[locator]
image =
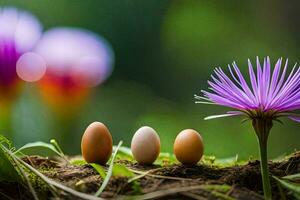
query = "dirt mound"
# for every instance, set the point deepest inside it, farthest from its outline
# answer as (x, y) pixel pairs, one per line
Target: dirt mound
(169, 182)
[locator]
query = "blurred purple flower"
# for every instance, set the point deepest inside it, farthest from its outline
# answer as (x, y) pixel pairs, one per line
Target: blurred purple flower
(19, 31)
(271, 95)
(78, 53)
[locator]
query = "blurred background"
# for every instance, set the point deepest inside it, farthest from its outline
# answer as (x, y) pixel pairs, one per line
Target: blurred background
(154, 56)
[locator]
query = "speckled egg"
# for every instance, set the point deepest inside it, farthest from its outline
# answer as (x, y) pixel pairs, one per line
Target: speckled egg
(145, 145)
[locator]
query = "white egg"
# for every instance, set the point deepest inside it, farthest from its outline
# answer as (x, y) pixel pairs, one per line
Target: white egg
(145, 145)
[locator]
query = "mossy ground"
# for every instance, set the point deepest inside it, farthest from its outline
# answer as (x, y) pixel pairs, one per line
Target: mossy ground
(167, 180)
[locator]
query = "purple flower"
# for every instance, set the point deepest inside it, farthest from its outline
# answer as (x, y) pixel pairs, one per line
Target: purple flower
(19, 31)
(269, 94)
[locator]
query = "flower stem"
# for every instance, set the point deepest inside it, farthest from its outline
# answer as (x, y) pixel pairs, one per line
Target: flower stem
(262, 128)
(265, 169)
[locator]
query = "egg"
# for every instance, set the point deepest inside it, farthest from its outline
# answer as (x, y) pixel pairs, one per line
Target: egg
(96, 143)
(145, 145)
(188, 147)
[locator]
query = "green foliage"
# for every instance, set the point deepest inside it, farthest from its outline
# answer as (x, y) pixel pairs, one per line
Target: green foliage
(208, 160)
(52, 146)
(121, 170)
(53, 185)
(227, 162)
(219, 188)
(37, 145)
(291, 186)
(78, 162)
(99, 169)
(7, 157)
(224, 162)
(165, 159)
(124, 153)
(11, 169)
(5, 141)
(7, 169)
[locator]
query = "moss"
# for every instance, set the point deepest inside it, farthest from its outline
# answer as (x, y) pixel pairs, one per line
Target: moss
(220, 188)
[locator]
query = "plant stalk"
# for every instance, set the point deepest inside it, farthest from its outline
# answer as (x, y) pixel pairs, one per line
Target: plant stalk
(262, 128)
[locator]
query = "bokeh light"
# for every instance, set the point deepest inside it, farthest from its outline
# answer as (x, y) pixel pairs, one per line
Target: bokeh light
(20, 27)
(76, 60)
(85, 56)
(19, 32)
(31, 67)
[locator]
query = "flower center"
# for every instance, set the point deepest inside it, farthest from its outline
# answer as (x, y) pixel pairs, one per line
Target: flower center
(259, 114)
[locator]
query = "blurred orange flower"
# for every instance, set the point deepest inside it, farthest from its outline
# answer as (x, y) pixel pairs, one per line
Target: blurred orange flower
(77, 60)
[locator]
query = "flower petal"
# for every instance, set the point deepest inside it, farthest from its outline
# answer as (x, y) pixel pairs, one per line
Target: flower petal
(229, 114)
(294, 118)
(269, 90)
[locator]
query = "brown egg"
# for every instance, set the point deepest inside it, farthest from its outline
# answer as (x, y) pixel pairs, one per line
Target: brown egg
(145, 145)
(96, 143)
(188, 147)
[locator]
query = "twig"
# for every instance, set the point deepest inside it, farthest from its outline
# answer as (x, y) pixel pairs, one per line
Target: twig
(230, 191)
(141, 174)
(162, 193)
(4, 195)
(288, 167)
(28, 158)
(192, 195)
(159, 176)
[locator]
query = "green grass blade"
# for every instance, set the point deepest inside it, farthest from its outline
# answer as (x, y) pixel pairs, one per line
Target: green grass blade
(99, 169)
(292, 177)
(54, 184)
(125, 150)
(293, 187)
(56, 146)
(109, 172)
(38, 144)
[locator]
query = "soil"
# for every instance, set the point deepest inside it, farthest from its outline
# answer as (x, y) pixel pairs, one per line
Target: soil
(170, 182)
